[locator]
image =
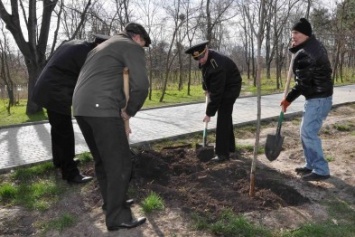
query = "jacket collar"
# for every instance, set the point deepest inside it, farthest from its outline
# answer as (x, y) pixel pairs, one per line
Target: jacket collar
(301, 46)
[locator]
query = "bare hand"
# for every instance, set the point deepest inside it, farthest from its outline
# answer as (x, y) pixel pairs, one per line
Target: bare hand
(127, 128)
(207, 119)
(284, 104)
(124, 115)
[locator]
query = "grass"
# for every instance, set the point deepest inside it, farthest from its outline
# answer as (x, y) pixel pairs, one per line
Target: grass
(37, 189)
(340, 223)
(343, 127)
(38, 195)
(64, 221)
(26, 174)
(230, 224)
(84, 157)
(34, 187)
(330, 158)
(250, 148)
(152, 203)
(18, 114)
(172, 96)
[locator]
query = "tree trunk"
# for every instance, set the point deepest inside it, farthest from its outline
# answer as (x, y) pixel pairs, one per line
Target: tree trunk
(33, 73)
(33, 50)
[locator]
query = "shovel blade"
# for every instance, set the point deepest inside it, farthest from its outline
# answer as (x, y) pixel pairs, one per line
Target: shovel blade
(204, 153)
(273, 146)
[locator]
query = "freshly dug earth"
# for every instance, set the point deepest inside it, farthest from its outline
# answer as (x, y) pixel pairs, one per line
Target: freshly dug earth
(188, 186)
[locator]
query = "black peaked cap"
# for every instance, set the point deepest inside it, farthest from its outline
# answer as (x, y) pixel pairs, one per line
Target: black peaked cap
(197, 49)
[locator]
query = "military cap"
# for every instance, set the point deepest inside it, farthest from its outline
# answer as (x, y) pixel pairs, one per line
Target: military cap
(197, 51)
(99, 38)
(136, 28)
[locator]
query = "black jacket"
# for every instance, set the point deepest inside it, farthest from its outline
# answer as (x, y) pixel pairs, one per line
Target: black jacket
(312, 71)
(221, 78)
(55, 85)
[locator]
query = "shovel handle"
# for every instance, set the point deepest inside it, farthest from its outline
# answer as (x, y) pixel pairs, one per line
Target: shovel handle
(289, 75)
(205, 135)
(287, 87)
(206, 125)
(126, 92)
(279, 123)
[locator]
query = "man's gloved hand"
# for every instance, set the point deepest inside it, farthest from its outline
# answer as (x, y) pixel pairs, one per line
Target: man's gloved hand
(284, 103)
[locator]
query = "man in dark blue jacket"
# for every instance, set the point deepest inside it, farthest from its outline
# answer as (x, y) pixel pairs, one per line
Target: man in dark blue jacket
(313, 80)
(54, 90)
(222, 83)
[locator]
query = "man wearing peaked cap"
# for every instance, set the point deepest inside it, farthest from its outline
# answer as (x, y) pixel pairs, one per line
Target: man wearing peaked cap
(312, 70)
(222, 84)
(53, 90)
(101, 109)
(198, 49)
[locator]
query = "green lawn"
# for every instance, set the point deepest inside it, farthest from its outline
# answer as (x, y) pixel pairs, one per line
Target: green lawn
(172, 96)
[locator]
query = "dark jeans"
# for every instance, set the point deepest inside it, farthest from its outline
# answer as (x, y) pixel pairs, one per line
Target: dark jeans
(225, 140)
(63, 143)
(109, 146)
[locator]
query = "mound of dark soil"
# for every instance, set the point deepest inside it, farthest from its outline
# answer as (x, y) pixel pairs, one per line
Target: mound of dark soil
(184, 182)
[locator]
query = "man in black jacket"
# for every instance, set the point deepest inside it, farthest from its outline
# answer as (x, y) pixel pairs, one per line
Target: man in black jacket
(54, 90)
(222, 84)
(313, 80)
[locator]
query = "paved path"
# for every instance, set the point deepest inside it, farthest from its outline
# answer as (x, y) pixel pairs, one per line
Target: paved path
(28, 144)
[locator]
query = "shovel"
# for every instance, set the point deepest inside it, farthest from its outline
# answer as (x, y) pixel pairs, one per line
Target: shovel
(273, 145)
(126, 92)
(204, 152)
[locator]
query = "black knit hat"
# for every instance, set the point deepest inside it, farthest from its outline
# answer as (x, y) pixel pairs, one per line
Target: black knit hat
(303, 26)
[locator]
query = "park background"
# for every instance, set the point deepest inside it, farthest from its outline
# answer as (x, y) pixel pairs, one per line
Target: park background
(255, 34)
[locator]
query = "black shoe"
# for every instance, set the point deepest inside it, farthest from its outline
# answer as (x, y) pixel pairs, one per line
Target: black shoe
(79, 179)
(129, 202)
(219, 158)
(128, 225)
(315, 177)
(303, 170)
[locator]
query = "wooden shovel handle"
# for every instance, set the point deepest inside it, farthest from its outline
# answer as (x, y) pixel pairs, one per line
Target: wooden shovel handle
(126, 92)
(289, 75)
(206, 124)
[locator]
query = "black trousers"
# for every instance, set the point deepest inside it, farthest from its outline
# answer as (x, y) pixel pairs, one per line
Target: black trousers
(109, 146)
(225, 140)
(63, 143)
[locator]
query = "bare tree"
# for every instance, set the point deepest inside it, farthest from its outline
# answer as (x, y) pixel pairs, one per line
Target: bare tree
(122, 9)
(150, 12)
(178, 21)
(216, 12)
(34, 48)
(191, 27)
(75, 18)
(281, 11)
(260, 10)
(5, 75)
